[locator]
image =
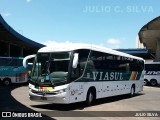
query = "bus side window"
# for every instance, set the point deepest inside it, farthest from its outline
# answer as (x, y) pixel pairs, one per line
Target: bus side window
(136, 66)
(95, 61)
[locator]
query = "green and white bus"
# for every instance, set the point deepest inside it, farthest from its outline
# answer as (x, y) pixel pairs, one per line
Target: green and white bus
(12, 70)
(79, 72)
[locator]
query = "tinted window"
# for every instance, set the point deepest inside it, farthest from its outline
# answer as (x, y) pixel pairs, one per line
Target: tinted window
(152, 67)
(107, 61)
(10, 62)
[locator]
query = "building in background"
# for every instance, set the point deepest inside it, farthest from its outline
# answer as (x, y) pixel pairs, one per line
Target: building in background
(149, 36)
(138, 43)
(13, 44)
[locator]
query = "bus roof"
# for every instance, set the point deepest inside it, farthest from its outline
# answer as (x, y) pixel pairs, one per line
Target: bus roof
(75, 46)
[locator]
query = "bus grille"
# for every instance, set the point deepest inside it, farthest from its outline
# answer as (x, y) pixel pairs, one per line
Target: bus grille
(42, 93)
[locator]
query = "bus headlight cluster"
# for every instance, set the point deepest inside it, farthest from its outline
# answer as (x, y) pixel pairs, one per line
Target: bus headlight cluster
(61, 91)
(30, 86)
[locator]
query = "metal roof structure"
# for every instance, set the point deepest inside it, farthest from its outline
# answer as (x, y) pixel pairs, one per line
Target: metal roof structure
(10, 36)
(149, 35)
(140, 52)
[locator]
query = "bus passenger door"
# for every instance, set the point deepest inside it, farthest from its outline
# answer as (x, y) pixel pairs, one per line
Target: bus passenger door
(81, 91)
(76, 92)
(76, 88)
(17, 78)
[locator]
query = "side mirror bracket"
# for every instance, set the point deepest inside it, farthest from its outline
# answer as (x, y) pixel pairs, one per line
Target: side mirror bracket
(26, 58)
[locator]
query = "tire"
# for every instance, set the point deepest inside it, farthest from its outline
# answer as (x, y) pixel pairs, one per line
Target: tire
(145, 82)
(153, 82)
(90, 97)
(132, 92)
(6, 82)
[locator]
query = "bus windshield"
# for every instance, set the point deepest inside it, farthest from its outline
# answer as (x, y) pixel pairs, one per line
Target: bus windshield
(51, 67)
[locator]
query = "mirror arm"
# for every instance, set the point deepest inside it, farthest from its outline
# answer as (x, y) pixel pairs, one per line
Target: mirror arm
(26, 58)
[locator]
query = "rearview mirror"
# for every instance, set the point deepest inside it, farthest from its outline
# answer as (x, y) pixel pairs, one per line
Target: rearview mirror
(75, 60)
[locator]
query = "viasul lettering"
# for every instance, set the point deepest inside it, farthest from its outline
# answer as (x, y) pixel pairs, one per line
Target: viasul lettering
(107, 76)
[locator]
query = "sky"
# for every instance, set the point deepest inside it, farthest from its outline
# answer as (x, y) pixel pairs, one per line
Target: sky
(109, 23)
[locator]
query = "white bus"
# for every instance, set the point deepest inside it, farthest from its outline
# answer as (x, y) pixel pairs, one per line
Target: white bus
(76, 72)
(12, 70)
(152, 73)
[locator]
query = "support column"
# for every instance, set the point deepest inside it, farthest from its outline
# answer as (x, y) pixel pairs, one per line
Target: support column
(21, 54)
(157, 57)
(9, 50)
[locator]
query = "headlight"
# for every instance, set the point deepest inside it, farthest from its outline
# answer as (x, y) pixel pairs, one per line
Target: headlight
(30, 86)
(61, 91)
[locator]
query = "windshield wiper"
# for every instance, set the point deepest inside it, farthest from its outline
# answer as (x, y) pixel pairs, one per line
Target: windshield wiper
(52, 83)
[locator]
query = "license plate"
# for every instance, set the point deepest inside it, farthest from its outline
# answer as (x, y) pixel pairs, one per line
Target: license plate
(43, 98)
(45, 88)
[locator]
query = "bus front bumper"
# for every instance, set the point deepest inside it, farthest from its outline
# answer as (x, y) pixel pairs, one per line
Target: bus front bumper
(59, 98)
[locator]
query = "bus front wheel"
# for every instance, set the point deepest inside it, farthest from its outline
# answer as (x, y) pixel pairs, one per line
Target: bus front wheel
(6, 82)
(90, 97)
(132, 93)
